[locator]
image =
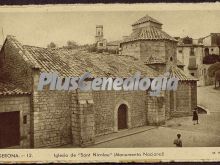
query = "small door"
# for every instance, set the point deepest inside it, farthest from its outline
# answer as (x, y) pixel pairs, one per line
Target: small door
(9, 129)
(122, 117)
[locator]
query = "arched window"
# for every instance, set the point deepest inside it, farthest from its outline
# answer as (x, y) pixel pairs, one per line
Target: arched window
(171, 58)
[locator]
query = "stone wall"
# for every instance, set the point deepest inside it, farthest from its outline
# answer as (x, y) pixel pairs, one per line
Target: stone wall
(106, 105)
(152, 48)
(170, 51)
(21, 104)
(167, 105)
(51, 117)
(83, 119)
(13, 67)
(182, 100)
(131, 49)
(156, 113)
(193, 95)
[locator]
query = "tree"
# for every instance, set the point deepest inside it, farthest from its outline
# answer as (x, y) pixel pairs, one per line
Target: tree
(187, 40)
(211, 59)
(214, 71)
(52, 45)
(72, 45)
(218, 42)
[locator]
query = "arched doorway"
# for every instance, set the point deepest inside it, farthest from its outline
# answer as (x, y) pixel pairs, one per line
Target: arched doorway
(122, 117)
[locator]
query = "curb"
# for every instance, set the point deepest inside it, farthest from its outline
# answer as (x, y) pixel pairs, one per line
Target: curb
(133, 133)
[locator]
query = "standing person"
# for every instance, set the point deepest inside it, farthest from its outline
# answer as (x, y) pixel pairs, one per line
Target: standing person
(178, 141)
(195, 116)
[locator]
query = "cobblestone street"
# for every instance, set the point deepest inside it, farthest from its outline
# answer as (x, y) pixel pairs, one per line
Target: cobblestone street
(204, 134)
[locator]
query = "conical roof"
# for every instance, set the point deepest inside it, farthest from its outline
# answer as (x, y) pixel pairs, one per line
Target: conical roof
(146, 18)
(148, 33)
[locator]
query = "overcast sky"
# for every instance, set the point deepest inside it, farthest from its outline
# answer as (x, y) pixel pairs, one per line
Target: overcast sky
(39, 29)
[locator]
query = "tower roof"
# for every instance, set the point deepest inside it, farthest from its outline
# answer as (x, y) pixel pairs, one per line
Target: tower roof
(146, 18)
(149, 33)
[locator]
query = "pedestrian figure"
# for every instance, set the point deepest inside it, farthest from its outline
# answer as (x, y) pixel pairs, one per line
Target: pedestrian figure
(195, 116)
(178, 141)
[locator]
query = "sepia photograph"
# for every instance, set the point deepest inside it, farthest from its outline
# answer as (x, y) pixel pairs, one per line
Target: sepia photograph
(109, 78)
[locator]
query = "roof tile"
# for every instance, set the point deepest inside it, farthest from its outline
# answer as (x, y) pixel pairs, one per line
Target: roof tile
(11, 89)
(148, 33)
(181, 75)
(75, 63)
(144, 19)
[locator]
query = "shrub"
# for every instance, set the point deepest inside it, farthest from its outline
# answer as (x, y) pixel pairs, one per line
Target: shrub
(211, 59)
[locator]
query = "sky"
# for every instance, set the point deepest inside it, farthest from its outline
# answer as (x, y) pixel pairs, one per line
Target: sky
(41, 28)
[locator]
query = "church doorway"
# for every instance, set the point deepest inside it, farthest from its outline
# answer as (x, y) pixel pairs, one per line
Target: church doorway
(122, 117)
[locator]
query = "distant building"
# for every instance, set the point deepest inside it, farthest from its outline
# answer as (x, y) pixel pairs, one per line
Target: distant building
(211, 43)
(191, 53)
(211, 48)
(101, 43)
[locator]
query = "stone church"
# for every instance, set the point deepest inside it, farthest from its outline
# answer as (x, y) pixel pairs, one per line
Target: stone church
(40, 119)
